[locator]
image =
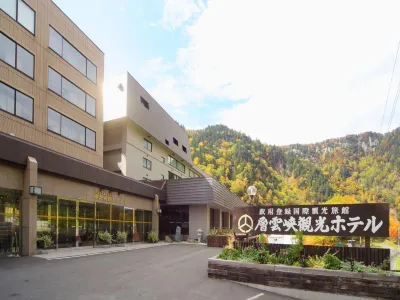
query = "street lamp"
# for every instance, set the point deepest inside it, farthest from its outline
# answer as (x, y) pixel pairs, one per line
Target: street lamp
(252, 191)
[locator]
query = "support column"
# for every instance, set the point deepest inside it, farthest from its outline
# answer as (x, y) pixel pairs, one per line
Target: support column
(220, 219)
(229, 220)
(29, 209)
(155, 216)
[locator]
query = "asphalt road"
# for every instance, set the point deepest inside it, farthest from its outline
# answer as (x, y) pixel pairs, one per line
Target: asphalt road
(170, 272)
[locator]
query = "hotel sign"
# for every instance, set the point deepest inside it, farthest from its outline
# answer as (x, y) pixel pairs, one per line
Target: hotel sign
(329, 220)
(107, 197)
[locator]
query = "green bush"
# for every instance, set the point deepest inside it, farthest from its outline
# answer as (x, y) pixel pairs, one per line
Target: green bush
(250, 254)
(316, 262)
(122, 237)
(105, 236)
(152, 236)
(262, 238)
(331, 262)
(230, 254)
(45, 239)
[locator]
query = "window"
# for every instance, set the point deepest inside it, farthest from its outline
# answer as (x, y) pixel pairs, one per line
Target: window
(176, 164)
(162, 176)
(167, 142)
(175, 141)
(16, 56)
(144, 102)
(91, 71)
(70, 129)
(63, 48)
(70, 92)
(146, 163)
(21, 12)
(16, 103)
(173, 176)
(192, 174)
(184, 149)
(26, 16)
(148, 145)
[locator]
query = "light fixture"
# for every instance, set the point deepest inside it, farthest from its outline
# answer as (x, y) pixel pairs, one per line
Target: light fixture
(35, 190)
(252, 191)
(159, 210)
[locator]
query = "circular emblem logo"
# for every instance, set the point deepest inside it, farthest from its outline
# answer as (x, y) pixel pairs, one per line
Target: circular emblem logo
(245, 224)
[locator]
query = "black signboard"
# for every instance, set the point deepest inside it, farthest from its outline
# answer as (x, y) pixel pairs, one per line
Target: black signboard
(370, 219)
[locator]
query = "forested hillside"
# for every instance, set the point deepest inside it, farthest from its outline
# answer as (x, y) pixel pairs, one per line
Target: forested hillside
(364, 166)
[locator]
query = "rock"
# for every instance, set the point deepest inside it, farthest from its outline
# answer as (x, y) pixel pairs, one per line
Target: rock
(168, 239)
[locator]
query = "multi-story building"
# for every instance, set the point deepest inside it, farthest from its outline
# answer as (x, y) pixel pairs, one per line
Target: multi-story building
(51, 137)
(142, 141)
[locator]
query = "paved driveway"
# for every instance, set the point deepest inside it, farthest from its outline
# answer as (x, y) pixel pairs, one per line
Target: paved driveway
(171, 272)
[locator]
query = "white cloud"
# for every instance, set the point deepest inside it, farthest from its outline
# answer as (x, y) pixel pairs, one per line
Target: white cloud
(309, 69)
(177, 12)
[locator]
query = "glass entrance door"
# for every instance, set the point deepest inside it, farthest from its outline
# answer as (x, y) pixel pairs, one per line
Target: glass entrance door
(143, 225)
(86, 224)
(9, 222)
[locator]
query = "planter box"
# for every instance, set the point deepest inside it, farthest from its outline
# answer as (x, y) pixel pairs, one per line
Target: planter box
(218, 240)
(317, 280)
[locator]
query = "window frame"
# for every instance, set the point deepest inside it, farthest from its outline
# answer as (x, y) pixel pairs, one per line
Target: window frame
(62, 54)
(15, 104)
(146, 143)
(147, 163)
(170, 159)
(192, 174)
(72, 120)
(86, 94)
(175, 141)
(17, 17)
(16, 57)
(184, 149)
(166, 142)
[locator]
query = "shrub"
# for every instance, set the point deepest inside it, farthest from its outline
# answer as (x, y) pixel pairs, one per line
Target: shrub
(229, 254)
(105, 236)
(331, 262)
(122, 237)
(152, 236)
(45, 239)
(213, 232)
(316, 262)
(250, 254)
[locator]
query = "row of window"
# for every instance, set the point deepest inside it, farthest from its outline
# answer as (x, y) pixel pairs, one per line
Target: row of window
(16, 103)
(176, 164)
(20, 12)
(70, 92)
(16, 56)
(63, 48)
(147, 165)
(21, 105)
(70, 129)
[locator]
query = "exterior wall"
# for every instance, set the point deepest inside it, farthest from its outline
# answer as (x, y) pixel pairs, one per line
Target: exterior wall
(155, 120)
(135, 152)
(198, 218)
(61, 187)
(11, 177)
(47, 13)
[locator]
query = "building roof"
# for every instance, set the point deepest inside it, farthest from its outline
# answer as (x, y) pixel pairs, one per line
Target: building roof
(15, 150)
(200, 191)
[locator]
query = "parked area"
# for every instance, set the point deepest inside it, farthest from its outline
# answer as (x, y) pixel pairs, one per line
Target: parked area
(172, 272)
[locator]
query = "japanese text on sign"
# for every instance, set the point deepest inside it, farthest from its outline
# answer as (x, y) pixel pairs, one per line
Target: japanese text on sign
(340, 220)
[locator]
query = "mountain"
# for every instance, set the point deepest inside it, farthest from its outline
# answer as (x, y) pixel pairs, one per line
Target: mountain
(364, 166)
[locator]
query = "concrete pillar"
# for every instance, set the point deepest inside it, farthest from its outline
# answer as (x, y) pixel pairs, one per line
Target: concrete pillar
(29, 209)
(155, 216)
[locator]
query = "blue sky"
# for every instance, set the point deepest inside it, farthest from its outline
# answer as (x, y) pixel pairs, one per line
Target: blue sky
(281, 71)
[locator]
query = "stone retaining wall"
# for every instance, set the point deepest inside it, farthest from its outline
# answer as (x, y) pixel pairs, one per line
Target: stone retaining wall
(319, 280)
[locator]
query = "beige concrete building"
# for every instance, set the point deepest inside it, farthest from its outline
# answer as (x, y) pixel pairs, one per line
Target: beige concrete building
(142, 141)
(51, 130)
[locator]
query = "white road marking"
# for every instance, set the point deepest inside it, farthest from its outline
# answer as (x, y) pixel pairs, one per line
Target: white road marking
(256, 296)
